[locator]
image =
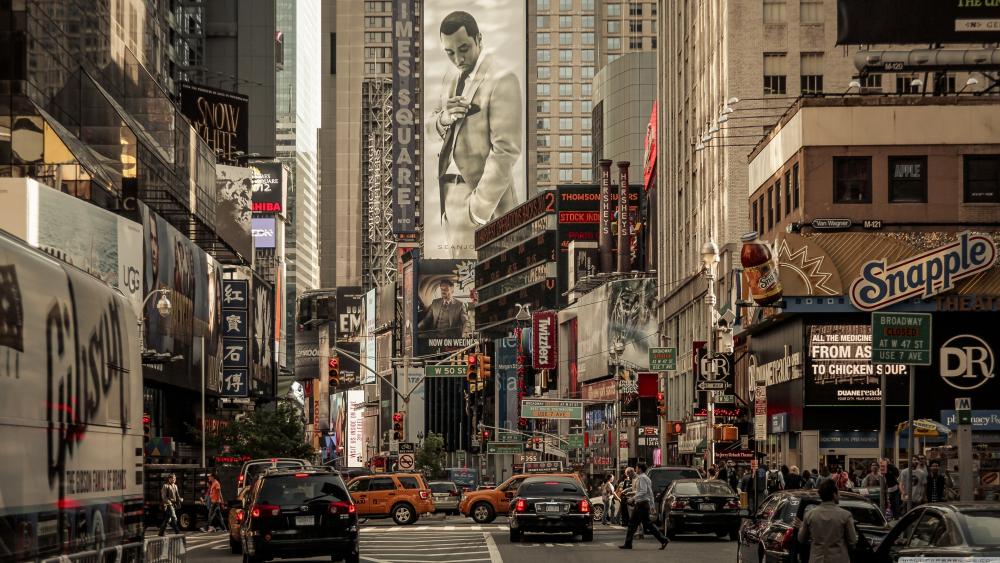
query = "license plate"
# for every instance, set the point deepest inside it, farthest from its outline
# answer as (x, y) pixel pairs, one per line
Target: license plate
(706, 507)
(552, 508)
(305, 520)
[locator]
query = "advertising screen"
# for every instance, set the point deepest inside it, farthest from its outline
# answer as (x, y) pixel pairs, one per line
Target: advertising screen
(220, 117)
(232, 207)
(862, 22)
(263, 232)
(445, 305)
(355, 428)
(268, 181)
(840, 371)
(474, 55)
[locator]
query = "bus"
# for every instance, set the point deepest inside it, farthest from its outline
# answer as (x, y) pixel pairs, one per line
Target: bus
(71, 435)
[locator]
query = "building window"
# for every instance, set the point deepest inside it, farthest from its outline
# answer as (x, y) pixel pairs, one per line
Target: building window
(753, 216)
(565, 158)
(565, 38)
(542, 174)
(777, 200)
(565, 55)
(565, 123)
(588, 5)
(544, 72)
(542, 38)
(565, 90)
(543, 56)
(634, 9)
(542, 124)
(566, 72)
(907, 179)
(635, 42)
(586, 106)
(585, 141)
(542, 5)
(982, 178)
(774, 11)
(587, 72)
(566, 175)
(760, 208)
(587, 55)
(811, 69)
(542, 89)
(770, 208)
(653, 8)
(541, 21)
(615, 10)
(614, 26)
(872, 83)
(774, 74)
(811, 11)
(587, 22)
(587, 175)
(542, 106)
(852, 179)
(795, 185)
(905, 85)
(614, 43)
(565, 5)
(543, 157)
(565, 141)
(588, 38)
(635, 26)
(565, 22)
(542, 141)
(565, 106)
(788, 193)
(585, 123)
(652, 43)
(586, 89)
(585, 158)
(947, 83)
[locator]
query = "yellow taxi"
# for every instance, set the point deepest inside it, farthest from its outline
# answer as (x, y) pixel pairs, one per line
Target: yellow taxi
(402, 496)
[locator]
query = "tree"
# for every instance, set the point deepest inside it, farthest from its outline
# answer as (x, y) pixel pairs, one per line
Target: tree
(431, 455)
(265, 433)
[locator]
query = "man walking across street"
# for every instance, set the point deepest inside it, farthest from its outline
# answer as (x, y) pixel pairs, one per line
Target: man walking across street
(829, 528)
(170, 499)
(215, 504)
(643, 499)
(935, 484)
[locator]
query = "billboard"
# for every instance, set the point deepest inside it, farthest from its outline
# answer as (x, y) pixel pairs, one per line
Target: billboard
(232, 208)
(306, 353)
(220, 117)
(263, 231)
(263, 355)
(544, 334)
(355, 428)
(349, 332)
(445, 302)
(368, 343)
(405, 146)
(474, 54)
(863, 22)
(235, 338)
(839, 370)
(268, 181)
(628, 309)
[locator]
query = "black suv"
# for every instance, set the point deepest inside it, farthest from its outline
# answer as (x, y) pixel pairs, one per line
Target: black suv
(300, 513)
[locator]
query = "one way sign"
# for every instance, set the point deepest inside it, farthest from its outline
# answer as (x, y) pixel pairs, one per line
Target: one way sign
(712, 385)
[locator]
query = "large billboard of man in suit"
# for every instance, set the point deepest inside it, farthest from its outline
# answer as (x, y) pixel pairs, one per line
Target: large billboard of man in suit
(474, 79)
(445, 303)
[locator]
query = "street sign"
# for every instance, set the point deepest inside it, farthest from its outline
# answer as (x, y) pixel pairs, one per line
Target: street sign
(663, 359)
(963, 410)
(460, 454)
(715, 367)
(500, 448)
(405, 462)
(712, 385)
(724, 398)
(561, 410)
(445, 370)
(407, 447)
(901, 338)
(509, 437)
(574, 441)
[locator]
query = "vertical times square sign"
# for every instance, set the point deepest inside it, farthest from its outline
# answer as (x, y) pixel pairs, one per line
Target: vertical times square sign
(404, 146)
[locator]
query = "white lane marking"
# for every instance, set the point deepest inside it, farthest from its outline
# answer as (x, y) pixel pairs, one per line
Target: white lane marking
(491, 546)
(206, 544)
(449, 528)
(443, 561)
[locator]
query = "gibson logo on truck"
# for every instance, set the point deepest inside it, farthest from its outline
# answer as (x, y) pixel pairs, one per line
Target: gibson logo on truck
(925, 275)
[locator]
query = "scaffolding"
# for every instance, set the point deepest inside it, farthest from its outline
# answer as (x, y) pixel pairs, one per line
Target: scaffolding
(380, 244)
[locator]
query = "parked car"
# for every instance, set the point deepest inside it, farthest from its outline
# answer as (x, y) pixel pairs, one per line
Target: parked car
(662, 477)
(300, 513)
(550, 505)
(953, 530)
(771, 533)
(255, 467)
(234, 520)
(704, 506)
(401, 496)
(446, 496)
(484, 505)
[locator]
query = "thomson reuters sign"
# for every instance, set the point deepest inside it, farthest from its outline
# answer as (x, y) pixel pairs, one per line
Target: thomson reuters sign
(543, 340)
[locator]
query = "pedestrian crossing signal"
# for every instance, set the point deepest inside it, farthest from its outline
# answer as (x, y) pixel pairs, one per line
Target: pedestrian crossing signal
(397, 426)
(677, 427)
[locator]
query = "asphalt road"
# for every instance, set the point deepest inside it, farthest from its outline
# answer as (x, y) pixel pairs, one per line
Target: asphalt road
(459, 540)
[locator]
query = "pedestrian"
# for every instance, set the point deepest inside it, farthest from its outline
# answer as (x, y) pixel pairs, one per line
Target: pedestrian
(893, 494)
(731, 477)
(170, 499)
(823, 475)
(794, 480)
(607, 495)
(936, 489)
(918, 485)
(711, 473)
(873, 478)
(829, 528)
(642, 501)
(774, 480)
(625, 493)
(215, 502)
(843, 480)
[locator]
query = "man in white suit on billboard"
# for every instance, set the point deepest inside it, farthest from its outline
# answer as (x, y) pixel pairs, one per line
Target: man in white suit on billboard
(478, 119)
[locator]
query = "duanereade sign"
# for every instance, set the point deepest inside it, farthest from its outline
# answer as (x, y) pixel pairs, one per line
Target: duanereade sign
(926, 275)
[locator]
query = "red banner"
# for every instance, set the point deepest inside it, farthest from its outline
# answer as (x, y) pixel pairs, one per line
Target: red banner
(544, 338)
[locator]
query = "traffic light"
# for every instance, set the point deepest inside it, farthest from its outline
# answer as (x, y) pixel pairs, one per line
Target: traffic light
(661, 403)
(397, 426)
(677, 427)
(485, 367)
(484, 437)
(333, 371)
(147, 422)
(471, 367)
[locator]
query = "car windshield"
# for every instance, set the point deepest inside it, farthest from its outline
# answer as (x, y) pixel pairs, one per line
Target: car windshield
(443, 487)
(862, 512)
(285, 490)
(256, 470)
(707, 488)
(543, 488)
(982, 527)
(662, 478)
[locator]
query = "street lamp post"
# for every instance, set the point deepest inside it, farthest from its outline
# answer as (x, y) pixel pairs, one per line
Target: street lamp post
(616, 352)
(710, 259)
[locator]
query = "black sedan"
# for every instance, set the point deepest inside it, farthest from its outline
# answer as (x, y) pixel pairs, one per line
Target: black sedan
(952, 530)
(550, 505)
(771, 534)
(704, 506)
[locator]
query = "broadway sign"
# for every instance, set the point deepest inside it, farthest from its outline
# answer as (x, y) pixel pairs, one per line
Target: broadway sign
(544, 338)
(563, 410)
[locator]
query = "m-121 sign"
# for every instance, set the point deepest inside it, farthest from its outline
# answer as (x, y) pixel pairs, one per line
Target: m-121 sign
(543, 333)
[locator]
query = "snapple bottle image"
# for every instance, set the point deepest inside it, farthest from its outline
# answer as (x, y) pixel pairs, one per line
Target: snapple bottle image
(760, 269)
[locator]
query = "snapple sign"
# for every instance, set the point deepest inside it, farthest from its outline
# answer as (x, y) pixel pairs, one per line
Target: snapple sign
(928, 274)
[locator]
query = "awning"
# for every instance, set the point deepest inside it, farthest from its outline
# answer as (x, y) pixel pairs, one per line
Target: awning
(691, 446)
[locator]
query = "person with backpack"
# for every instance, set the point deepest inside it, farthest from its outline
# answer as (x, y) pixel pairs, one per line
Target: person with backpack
(774, 480)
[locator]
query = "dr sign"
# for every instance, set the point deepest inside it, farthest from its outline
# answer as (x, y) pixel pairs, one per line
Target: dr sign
(926, 275)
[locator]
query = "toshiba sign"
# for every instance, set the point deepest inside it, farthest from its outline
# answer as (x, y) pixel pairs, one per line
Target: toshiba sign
(544, 337)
